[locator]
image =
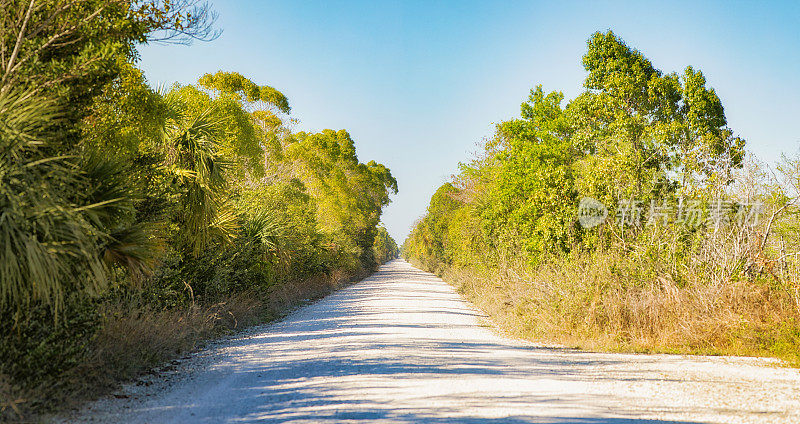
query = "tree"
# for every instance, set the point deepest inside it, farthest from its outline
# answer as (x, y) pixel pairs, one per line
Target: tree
(626, 98)
(708, 152)
(534, 194)
(71, 49)
(246, 92)
(385, 247)
(350, 195)
(267, 109)
(640, 127)
(69, 209)
(635, 134)
(198, 167)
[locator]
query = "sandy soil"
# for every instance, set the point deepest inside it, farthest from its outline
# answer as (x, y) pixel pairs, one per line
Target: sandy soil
(403, 347)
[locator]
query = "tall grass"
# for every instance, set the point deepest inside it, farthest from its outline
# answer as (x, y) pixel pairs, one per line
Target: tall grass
(723, 296)
(601, 301)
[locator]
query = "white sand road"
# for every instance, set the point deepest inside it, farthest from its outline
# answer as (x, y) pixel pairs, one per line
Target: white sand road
(403, 347)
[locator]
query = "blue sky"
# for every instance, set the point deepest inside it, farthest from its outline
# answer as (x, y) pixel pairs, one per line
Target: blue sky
(419, 84)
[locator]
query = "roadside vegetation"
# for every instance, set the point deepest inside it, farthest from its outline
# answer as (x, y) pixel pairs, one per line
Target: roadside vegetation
(629, 218)
(137, 222)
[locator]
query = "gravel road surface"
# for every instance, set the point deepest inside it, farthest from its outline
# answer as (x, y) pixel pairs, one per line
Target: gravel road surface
(403, 347)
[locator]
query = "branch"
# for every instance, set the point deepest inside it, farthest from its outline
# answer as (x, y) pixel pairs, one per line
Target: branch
(53, 39)
(199, 18)
(20, 37)
(769, 227)
(3, 6)
(45, 22)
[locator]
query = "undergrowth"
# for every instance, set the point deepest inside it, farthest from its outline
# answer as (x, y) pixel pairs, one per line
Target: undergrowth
(600, 302)
(111, 341)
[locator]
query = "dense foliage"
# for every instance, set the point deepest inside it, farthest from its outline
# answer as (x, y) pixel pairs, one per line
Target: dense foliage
(652, 151)
(112, 192)
(385, 247)
(635, 133)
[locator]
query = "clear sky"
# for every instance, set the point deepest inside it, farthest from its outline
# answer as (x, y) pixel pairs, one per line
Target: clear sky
(418, 84)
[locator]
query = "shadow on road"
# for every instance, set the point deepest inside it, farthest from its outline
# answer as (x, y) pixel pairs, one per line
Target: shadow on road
(402, 347)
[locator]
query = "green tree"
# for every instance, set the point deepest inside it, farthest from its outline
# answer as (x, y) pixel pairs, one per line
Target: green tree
(385, 247)
(350, 195)
(707, 150)
(70, 50)
(533, 207)
(635, 133)
(72, 219)
(198, 167)
(627, 97)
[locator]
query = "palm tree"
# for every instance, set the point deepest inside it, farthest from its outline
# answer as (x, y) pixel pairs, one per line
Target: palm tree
(193, 144)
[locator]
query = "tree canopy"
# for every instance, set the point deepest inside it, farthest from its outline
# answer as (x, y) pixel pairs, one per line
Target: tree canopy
(634, 134)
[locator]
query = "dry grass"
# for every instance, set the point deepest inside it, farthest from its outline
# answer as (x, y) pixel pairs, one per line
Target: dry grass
(134, 340)
(730, 290)
(612, 302)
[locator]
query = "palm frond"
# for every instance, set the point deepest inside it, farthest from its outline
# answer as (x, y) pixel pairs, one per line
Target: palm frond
(195, 161)
(263, 227)
(134, 247)
(48, 246)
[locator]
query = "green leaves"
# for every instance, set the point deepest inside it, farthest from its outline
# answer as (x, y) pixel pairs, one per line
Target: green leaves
(619, 70)
(49, 229)
(199, 169)
(349, 195)
(68, 211)
(535, 186)
(384, 246)
(651, 126)
(245, 91)
(635, 133)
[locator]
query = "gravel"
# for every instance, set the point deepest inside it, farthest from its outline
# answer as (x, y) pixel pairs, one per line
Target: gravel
(403, 347)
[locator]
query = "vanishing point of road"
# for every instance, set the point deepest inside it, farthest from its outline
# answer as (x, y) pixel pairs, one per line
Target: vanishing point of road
(403, 347)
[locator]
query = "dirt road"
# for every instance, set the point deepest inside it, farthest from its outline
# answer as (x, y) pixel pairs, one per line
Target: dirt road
(403, 347)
